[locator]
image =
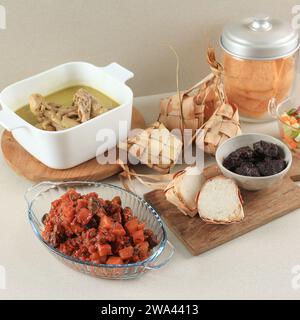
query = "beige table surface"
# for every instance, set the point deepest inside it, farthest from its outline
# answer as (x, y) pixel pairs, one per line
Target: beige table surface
(256, 265)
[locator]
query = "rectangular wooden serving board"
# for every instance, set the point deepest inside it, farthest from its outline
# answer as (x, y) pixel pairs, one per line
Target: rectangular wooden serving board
(260, 208)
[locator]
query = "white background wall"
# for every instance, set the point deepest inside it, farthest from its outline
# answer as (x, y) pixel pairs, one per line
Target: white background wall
(136, 33)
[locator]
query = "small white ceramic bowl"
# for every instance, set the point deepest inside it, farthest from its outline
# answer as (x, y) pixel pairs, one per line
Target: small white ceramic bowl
(245, 182)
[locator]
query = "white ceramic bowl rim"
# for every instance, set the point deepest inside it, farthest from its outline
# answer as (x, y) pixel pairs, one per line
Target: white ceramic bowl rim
(281, 144)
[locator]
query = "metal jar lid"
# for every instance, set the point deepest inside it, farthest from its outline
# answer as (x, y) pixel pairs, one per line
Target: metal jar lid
(259, 38)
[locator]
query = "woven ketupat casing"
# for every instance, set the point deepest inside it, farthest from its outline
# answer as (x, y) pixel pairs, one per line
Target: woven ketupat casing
(222, 125)
(155, 147)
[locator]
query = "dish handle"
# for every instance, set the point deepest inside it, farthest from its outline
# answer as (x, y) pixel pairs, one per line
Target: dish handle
(168, 251)
(9, 122)
(118, 72)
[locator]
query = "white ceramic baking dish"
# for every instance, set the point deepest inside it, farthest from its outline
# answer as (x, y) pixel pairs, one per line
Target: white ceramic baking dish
(71, 147)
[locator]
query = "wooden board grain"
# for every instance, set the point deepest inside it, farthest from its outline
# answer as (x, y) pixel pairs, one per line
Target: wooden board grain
(32, 169)
(260, 208)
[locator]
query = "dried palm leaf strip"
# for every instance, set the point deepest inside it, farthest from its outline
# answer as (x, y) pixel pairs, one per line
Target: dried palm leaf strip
(191, 108)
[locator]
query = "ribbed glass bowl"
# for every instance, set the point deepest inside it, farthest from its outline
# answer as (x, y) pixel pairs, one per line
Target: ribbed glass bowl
(39, 199)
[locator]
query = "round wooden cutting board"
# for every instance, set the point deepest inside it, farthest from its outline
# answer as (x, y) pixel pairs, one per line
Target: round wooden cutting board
(32, 169)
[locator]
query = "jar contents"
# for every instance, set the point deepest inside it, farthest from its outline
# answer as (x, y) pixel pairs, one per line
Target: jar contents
(250, 84)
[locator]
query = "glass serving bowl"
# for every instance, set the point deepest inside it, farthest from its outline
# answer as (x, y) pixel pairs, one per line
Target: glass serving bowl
(40, 196)
(288, 133)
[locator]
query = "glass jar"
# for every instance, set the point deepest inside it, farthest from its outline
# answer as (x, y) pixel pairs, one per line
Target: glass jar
(260, 59)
